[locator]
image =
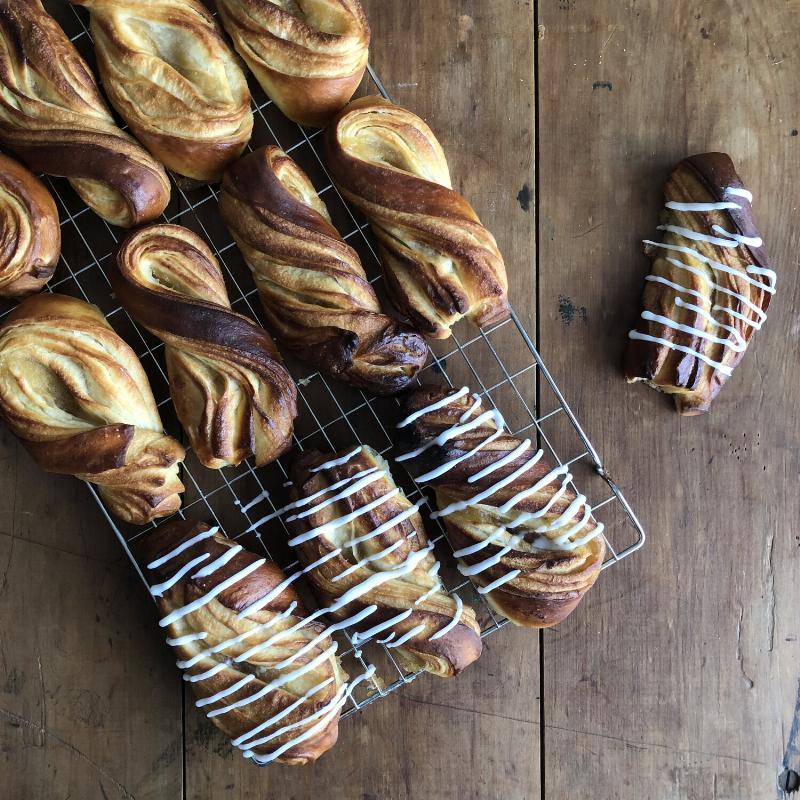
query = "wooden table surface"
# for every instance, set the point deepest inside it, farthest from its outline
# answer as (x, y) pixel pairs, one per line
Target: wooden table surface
(677, 677)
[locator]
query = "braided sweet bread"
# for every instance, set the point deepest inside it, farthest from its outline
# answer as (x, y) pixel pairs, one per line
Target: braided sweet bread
(53, 116)
(709, 288)
(308, 55)
(170, 74)
(78, 399)
(315, 295)
(30, 234)
(520, 532)
(439, 262)
(262, 668)
(232, 394)
(369, 562)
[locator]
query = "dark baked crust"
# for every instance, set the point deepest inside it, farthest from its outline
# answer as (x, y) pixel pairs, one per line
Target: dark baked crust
(313, 289)
(693, 382)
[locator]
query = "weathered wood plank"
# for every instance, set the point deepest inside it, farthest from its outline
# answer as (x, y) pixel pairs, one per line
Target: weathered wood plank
(681, 672)
(467, 68)
(89, 699)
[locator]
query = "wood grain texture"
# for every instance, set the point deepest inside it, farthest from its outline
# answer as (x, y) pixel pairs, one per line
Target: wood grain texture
(682, 670)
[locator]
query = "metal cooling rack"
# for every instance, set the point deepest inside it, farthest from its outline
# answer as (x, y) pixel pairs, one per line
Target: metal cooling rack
(332, 416)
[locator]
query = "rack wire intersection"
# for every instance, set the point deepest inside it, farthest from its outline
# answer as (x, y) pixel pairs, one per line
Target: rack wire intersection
(332, 416)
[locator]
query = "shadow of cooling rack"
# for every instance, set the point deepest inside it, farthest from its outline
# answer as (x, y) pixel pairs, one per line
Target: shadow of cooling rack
(499, 363)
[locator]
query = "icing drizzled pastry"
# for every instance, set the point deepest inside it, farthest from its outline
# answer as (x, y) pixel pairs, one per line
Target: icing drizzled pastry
(232, 394)
(315, 295)
(170, 74)
(308, 55)
(53, 116)
(519, 531)
(30, 235)
(263, 670)
(369, 562)
(78, 399)
(440, 263)
(709, 288)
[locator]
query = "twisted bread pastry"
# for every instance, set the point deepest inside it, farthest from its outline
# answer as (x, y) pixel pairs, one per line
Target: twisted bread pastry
(370, 565)
(78, 399)
(264, 671)
(30, 234)
(311, 283)
(53, 117)
(232, 395)
(440, 263)
(172, 77)
(518, 529)
(308, 55)
(709, 288)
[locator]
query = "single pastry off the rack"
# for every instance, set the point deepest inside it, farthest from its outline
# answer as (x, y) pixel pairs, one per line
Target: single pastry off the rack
(519, 531)
(30, 234)
(77, 397)
(308, 55)
(709, 288)
(315, 295)
(53, 116)
(365, 551)
(264, 670)
(232, 394)
(440, 263)
(170, 74)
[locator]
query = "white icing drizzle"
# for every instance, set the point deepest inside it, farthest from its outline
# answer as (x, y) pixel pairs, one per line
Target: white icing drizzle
(455, 431)
(415, 631)
(446, 401)
(183, 546)
(158, 589)
(724, 238)
(453, 622)
(218, 563)
(351, 490)
(337, 462)
(234, 687)
(566, 540)
(186, 639)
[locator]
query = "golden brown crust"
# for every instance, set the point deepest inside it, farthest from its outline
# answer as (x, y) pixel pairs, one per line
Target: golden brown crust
(440, 263)
(53, 116)
(78, 399)
(550, 582)
(232, 394)
(417, 591)
(315, 295)
(30, 234)
(721, 280)
(308, 55)
(170, 74)
(257, 651)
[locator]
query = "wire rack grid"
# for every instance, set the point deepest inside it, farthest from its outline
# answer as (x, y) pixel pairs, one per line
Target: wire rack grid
(244, 501)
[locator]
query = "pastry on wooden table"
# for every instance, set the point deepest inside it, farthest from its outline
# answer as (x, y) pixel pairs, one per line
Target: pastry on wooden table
(519, 530)
(264, 671)
(30, 233)
(54, 118)
(315, 295)
(709, 288)
(439, 262)
(232, 394)
(308, 55)
(78, 399)
(173, 78)
(368, 559)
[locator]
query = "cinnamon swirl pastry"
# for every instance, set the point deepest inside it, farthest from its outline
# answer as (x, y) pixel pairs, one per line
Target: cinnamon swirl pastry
(30, 234)
(315, 294)
(368, 559)
(53, 116)
(439, 262)
(78, 399)
(519, 531)
(170, 74)
(264, 670)
(308, 55)
(232, 394)
(709, 288)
